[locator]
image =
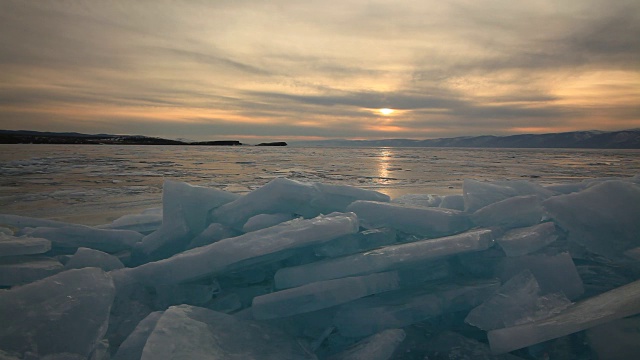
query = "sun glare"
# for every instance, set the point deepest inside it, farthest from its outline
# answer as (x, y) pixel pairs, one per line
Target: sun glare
(386, 111)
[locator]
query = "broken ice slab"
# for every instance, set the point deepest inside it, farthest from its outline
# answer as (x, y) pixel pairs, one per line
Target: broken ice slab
(25, 269)
(321, 295)
(616, 340)
(431, 222)
(615, 304)
(384, 258)
(142, 223)
(633, 253)
(187, 332)
(110, 241)
(262, 246)
(226, 303)
(454, 202)
(523, 187)
(21, 222)
(479, 194)
(171, 238)
(64, 313)
(333, 197)
(191, 294)
(131, 348)
(355, 243)
(517, 301)
(262, 221)
(191, 204)
(599, 278)
(423, 200)
(567, 188)
(214, 232)
(401, 308)
(12, 246)
(85, 257)
(554, 273)
(289, 196)
(604, 218)
(523, 241)
(513, 212)
(380, 346)
(451, 345)
(186, 212)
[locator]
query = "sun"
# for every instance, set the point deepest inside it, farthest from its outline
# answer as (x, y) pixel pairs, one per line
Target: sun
(386, 111)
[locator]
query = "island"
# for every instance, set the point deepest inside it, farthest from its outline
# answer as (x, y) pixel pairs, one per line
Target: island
(277, 143)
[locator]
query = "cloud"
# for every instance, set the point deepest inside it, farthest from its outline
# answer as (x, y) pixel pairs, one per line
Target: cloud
(291, 69)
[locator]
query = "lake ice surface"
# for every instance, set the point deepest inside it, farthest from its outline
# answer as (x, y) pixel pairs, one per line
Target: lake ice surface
(97, 184)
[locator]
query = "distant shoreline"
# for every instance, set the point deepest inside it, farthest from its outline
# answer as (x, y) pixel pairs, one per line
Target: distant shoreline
(624, 139)
(34, 137)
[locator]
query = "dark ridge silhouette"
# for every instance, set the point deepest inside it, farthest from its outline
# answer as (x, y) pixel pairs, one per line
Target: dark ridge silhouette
(277, 143)
(36, 137)
(218, 143)
(624, 139)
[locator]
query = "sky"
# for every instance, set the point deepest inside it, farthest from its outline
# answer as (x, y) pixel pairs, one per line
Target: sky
(296, 70)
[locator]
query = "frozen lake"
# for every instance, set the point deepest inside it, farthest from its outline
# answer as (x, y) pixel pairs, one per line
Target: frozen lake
(96, 184)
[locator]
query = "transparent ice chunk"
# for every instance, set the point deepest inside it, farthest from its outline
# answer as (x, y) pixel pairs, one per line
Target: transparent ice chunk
(289, 196)
(26, 269)
(513, 212)
(454, 202)
(187, 332)
(398, 309)
(249, 249)
(604, 218)
(451, 345)
(424, 200)
(355, 243)
(546, 269)
(523, 241)
(262, 221)
(615, 304)
(142, 223)
(384, 258)
(380, 346)
(12, 246)
(431, 222)
(191, 203)
(64, 313)
(322, 294)
(131, 348)
(106, 240)
(618, 339)
(479, 194)
(517, 301)
(85, 257)
(214, 232)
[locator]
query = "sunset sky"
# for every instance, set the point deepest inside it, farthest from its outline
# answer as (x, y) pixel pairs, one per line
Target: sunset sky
(284, 70)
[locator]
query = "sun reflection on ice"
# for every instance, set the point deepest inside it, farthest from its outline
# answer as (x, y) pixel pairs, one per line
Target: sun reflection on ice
(383, 163)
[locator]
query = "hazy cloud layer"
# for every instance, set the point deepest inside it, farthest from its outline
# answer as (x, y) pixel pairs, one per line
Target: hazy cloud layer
(292, 69)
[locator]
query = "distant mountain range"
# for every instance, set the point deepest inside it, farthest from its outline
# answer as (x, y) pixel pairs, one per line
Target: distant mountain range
(625, 139)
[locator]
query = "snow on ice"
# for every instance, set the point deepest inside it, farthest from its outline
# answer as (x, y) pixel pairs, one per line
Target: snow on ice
(298, 270)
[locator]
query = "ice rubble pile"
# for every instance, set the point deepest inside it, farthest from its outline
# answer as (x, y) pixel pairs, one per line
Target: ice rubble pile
(314, 271)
